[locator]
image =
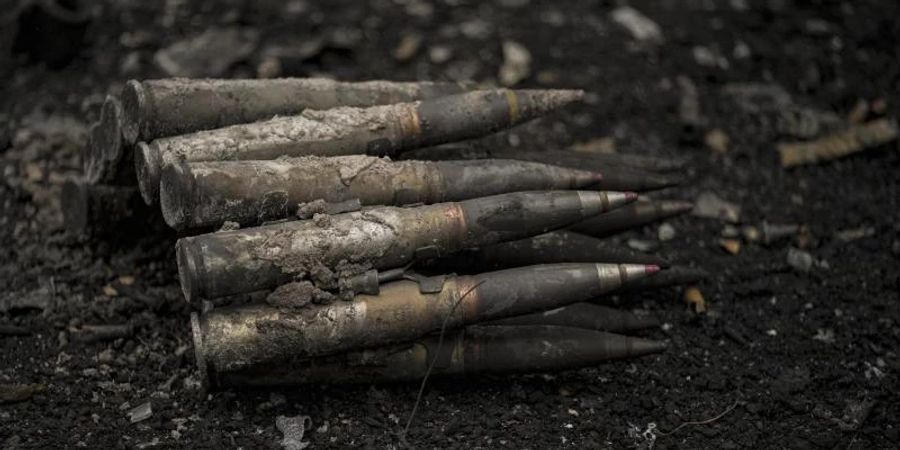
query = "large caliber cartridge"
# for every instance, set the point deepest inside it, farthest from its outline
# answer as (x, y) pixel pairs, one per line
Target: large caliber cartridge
(168, 107)
(377, 130)
(235, 338)
(474, 350)
(242, 261)
(206, 194)
(632, 216)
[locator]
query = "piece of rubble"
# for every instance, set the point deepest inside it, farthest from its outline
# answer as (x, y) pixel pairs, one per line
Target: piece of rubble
(717, 141)
(852, 140)
(408, 47)
(689, 112)
(293, 429)
(641, 27)
(665, 232)
(17, 392)
(140, 412)
(603, 145)
(516, 63)
(694, 298)
(711, 206)
(732, 246)
(209, 54)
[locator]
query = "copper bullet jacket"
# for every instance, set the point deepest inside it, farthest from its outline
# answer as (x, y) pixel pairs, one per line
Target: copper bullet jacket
(240, 337)
(473, 350)
(206, 194)
(635, 215)
(169, 107)
(378, 131)
(247, 260)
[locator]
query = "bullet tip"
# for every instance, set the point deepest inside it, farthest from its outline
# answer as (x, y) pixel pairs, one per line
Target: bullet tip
(631, 196)
(650, 269)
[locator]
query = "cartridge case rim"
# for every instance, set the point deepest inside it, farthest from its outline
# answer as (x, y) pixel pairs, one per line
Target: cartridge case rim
(176, 183)
(111, 129)
(189, 273)
(148, 169)
(134, 106)
(200, 351)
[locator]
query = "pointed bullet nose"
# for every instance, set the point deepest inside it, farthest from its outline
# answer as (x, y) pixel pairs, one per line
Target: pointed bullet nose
(546, 100)
(633, 272)
(672, 208)
(596, 202)
(584, 178)
(640, 347)
(619, 199)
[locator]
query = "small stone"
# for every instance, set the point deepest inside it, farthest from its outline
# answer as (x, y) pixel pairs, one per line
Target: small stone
(732, 246)
(440, 54)
(666, 232)
(293, 429)
(229, 226)
(516, 63)
(751, 233)
(640, 26)
(717, 141)
(408, 47)
(140, 412)
(642, 245)
(209, 54)
(800, 260)
(603, 145)
(710, 206)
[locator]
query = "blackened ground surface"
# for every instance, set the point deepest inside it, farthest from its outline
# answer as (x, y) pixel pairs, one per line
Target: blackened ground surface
(754, 350)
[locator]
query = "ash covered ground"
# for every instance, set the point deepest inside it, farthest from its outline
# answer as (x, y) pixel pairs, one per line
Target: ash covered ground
(785, 356)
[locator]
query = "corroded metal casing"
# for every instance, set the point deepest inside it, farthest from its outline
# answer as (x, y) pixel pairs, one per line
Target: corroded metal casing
(107, 159)
(168, 107)
(621, 172)
(567, 158)
(634, 215)
(96, 208)
(233, 262)
(554, 247)
(378, 131)
(206, 194)
(240, 337)
(473, 350)
(584, 315)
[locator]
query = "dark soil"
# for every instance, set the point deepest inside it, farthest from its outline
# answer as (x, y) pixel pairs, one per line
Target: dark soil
(792, 359)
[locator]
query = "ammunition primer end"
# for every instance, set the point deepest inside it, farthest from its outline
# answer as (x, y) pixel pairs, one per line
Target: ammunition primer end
(148, 168)
(185, 254)
(134, 104)
(200, 351)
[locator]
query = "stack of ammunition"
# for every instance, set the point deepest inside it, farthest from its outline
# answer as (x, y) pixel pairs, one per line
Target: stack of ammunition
(348, 237)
